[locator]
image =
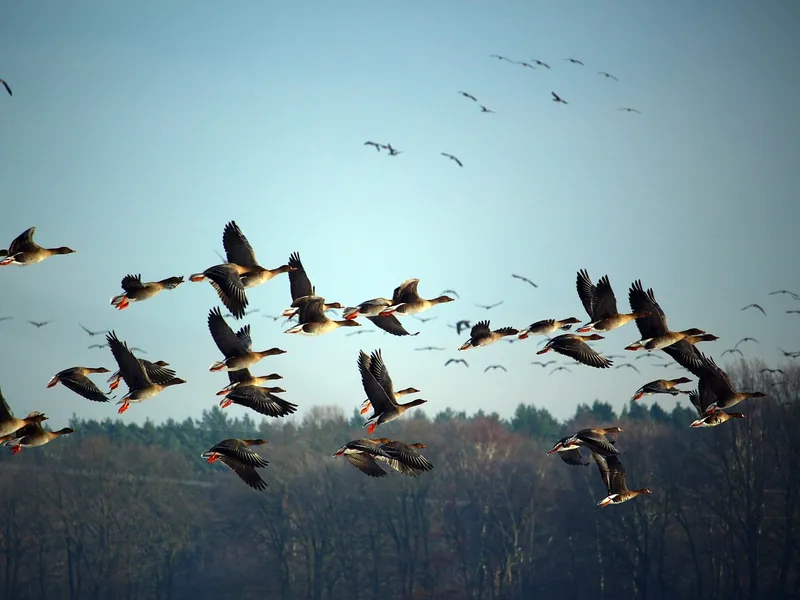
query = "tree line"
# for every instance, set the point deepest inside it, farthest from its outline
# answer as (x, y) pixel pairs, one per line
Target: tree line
(132, 511)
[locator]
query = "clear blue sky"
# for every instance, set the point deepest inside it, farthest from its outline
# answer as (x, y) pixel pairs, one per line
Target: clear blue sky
(137, 130)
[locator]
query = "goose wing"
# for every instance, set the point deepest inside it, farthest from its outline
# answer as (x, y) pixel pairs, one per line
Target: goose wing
(228, 342)
(237, 248)
(391, 324)
(229, 287)
(83, 386)
(366, 464)
(299, 283)
(655, 324)
(130, 369)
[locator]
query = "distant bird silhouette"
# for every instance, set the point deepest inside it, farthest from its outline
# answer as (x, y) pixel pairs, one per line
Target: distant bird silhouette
(789, 354)
(460, 326)
(39, 324)
(543, 364)
(648, 355)
(453, 158)
(788, 312)
(756, 306)
(5, 318)
(135, 349)
(273, 317)
(456, 360)
(451, 292)
(392, 151)
(247, 312)
(5, 85)
(470, 96)
(489, 306)
(787, 292)
(510, 340)
(490, 367)
(560, 368)
(498, 57)
(557, 98)
(540, 63)
(428, 348)
(486, 110)
(92, 333)
(607, 75)
(575, 61)
(525, 279)
(360, 331)
(733, 351)
(630, 110)
(376, 144)
(98, 346)
(425, 319)
(746, 339)
(526, 65)
(628, 365)
(771, 371)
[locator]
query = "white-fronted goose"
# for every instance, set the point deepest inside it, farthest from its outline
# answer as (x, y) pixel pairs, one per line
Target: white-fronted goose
(9, 423)
(24, 251)
(380, 371)
(593, 438)
(260, 399)
(312, 319)
(548, 326)
(136, 291)
(244, 377)
(239, 458)
(361, 454)
(32, 436)
(716, 390)
(655, 333)
(300, 286)
(239, 252)
(376, 381)
(365, 455)
(140, 386)
(76, 379)
(661, 386)
(706, 419)
(613, 475)
(601, 304)
(407, 301)
(574, 346)
(236, 347)
(481, 335)
(156, 371)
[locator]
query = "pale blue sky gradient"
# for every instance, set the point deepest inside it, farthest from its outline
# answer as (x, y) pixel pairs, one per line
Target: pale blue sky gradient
(137, 130)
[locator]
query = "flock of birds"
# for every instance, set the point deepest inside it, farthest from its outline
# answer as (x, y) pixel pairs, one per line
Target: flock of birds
(532, 64)
(373, 456)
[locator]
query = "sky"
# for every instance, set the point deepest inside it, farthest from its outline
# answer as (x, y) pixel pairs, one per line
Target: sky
(137, 130)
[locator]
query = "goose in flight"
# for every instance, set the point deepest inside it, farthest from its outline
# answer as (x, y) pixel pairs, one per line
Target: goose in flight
(574, 346)
(613, 475)
(376, 144)
(470, 96)
(630, 110)
(756, 306)
(539, 363)
(628, 365)
(90, 332)
(557, 98)
(481, 335)
(485, 109)
(540, 63)
(661, 386)
(453, 158)
(455, 361)
(490, 367)
(786, 292)
(239, 458)
(40, 324)
(525, 279)
(575, 61)
(601, 304)
(489, 306)
(24, 251)
(607, 75)
(746, 339)
(76, 380)
(560, 368)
